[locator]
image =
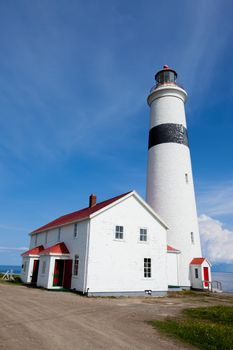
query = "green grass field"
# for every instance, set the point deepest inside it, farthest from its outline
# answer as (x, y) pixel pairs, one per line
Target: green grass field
(206, 327)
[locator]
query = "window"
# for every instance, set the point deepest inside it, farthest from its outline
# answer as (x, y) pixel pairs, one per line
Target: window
(46, 237)
(143, 234)
(186, 178)
(147, 267)
(192, 237)
(75, 230)
(59, 234)
(76, 263)
(35, 240)
(43, 266)
(196, 273)
(24, 266)
(119, 233)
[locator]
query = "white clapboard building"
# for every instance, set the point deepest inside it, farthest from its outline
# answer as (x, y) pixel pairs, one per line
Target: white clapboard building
(126, 245)
(113, 247)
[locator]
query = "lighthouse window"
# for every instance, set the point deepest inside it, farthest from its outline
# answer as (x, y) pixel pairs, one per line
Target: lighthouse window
(147, 267)
(192, 238)
(196, 273)
(119, 232)
(143, 234)
(186, 178)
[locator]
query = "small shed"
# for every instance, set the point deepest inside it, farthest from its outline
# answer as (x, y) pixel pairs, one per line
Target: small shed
(55, 267)
(200, 273)
(30, 264)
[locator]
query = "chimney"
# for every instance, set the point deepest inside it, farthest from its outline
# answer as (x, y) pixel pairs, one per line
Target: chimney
(92, 200)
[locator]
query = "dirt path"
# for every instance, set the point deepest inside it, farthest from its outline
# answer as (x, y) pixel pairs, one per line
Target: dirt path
(36, 319)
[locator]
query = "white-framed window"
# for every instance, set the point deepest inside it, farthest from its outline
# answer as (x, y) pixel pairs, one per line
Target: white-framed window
(196, 273)
(147, 267)
(59, 234)
(119, 232)
(75, 230)
(76, 265)
(43, 266)
(186, 178)
(192, 237)
(35, 239)
(46, 237)
(143, 235)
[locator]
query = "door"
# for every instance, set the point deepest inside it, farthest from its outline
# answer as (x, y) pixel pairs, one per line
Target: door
(206, 276)
(67, 274)
(35, 271)
(58, 273)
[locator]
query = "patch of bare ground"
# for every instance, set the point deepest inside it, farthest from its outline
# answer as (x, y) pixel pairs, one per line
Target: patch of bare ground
(37, 319)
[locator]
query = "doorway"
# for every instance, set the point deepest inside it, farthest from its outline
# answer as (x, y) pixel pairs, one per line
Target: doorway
(35, 271)
(67, 274)
(206, 276)
(58, 273)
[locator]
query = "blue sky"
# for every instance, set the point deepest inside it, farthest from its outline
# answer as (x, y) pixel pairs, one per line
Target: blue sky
(74, 78)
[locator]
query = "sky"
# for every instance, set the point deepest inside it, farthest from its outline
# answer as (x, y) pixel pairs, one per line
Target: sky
(74, 78)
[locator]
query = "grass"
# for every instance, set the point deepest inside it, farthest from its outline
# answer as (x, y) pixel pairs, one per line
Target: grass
(188, 293)
(207, 327)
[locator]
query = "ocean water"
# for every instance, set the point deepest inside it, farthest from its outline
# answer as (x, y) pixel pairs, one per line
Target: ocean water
(226, 278)
(16, 269)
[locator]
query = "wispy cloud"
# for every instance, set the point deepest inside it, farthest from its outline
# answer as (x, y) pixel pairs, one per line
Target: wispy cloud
(12, 249)
(217, 241)
(216, 199)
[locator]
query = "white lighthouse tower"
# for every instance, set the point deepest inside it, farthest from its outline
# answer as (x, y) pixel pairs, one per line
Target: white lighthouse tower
(170, 190)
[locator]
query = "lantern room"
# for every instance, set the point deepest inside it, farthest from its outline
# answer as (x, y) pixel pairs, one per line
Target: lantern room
(166, 76)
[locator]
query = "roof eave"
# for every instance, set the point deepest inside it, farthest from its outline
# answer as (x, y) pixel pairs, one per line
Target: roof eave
(141, 200)
(57, 226)
(173, 251)
(56, 254)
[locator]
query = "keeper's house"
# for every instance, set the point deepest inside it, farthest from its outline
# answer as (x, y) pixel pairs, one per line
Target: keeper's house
(115, 247)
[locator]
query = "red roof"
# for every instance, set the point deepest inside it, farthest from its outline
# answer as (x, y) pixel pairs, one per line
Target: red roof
(77, 215)
(197, 261)
(59, 248)
(171, 249)
(33, 251)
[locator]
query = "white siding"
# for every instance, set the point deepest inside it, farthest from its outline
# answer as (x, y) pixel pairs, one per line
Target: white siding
(27, 275)
(76, 246)
(172, 269)
(43, 278)
(118, 265)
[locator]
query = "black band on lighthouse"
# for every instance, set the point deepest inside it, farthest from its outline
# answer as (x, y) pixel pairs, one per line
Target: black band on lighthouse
(169, 132)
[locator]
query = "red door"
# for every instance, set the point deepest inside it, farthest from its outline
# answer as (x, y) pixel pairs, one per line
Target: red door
(58, 273)
(35, 271)
(206, 275)
(67, 274)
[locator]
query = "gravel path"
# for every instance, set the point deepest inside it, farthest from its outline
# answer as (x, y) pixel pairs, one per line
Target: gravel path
(37, 319)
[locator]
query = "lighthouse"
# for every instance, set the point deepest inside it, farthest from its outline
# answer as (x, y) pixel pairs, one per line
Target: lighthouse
(170, 189)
